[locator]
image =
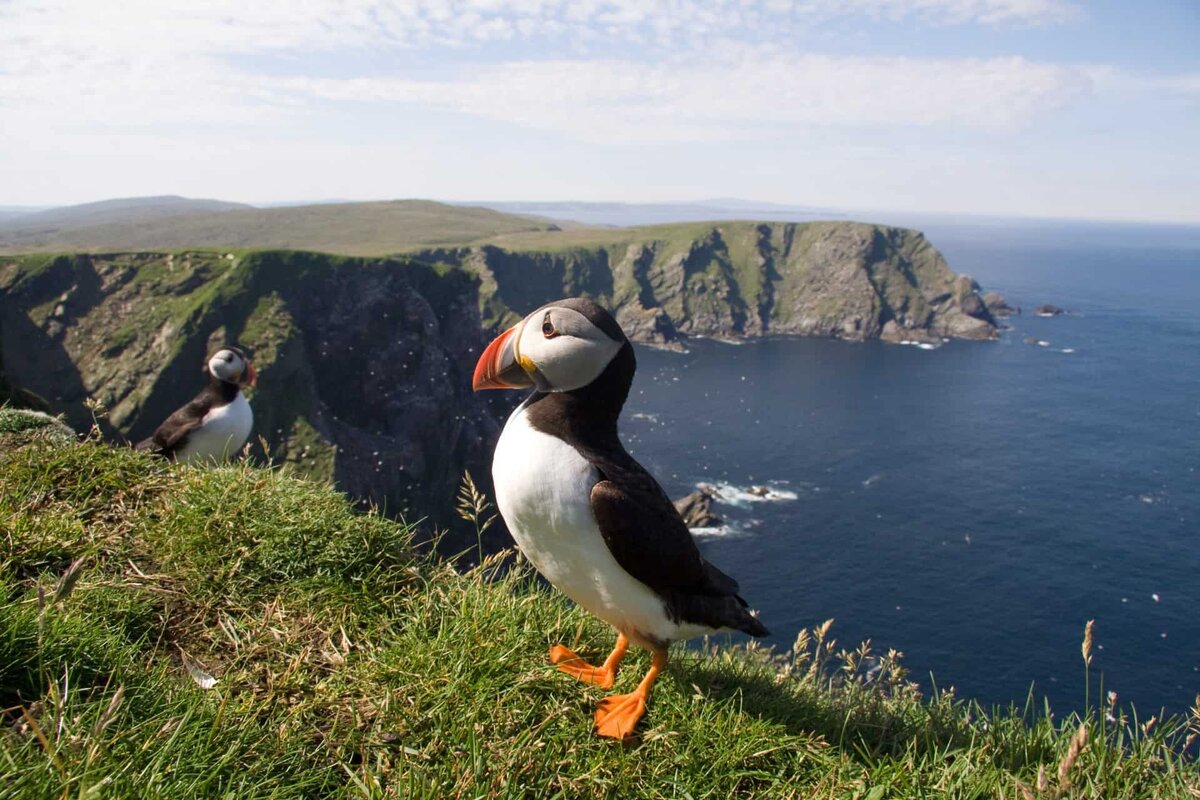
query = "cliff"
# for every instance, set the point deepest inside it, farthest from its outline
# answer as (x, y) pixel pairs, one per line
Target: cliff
(736, 279)
(364, 365)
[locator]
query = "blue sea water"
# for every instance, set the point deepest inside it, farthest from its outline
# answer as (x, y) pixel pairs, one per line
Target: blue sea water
(974, 505)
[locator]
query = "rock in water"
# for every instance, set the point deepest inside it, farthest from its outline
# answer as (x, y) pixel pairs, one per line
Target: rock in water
(696, 510)
(1048, 310)
(998, 305)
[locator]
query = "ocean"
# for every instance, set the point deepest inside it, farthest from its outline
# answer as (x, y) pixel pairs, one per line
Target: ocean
(972, 506)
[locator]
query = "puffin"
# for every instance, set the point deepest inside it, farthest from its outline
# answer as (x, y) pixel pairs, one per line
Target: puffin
(589, 517)
(214, 424)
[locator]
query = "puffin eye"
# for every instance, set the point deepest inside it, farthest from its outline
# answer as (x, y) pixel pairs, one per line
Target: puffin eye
(548, 328)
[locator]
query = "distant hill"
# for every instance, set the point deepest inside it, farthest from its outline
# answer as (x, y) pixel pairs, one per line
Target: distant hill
(120, 211)
(168, 223)
(12, 212)
(350, 228)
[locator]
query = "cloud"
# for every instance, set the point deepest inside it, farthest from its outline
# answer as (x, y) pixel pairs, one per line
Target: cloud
(952, 12)
(1111, 80)
(159, 65)
(63, 29)
(614, 101)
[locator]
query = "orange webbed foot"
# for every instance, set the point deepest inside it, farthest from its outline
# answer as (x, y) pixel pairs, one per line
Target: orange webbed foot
(617, 716)
(577, 667)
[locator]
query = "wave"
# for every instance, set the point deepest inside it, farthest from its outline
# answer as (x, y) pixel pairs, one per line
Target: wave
(741, 495)
(711, 532)
(922, 345)
(727, 529)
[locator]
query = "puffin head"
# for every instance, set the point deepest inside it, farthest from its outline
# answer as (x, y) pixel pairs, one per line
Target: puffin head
(564, 345)
(231, 365)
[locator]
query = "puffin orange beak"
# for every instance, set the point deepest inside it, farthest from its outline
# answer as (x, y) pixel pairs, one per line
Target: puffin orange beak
(498, 367)
(249, 377)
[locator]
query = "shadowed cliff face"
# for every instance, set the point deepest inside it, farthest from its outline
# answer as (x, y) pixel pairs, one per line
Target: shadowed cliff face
(364, 365)
(739, 279)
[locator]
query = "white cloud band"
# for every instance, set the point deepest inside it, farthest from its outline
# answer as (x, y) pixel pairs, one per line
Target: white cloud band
(611, 101)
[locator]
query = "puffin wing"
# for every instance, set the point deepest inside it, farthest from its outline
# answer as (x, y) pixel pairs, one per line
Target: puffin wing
(650, 541)
(173, 433)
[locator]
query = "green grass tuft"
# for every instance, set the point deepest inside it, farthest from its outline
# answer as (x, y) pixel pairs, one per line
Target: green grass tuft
(20, 426)
(347, 665)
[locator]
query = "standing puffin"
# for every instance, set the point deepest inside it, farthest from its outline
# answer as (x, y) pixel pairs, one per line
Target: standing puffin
(215, 423)
(591, 519)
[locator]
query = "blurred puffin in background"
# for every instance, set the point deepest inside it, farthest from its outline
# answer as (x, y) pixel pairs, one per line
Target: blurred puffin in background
(591, 519)
(216, 423)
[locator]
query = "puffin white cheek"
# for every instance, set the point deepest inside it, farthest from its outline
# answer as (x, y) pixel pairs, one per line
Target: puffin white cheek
(224, 370)
(576, 363)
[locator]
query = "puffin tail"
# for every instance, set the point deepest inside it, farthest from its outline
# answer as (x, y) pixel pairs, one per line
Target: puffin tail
(719, 612)
(747, 622)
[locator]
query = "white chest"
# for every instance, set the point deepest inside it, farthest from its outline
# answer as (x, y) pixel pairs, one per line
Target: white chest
(221, 434)
(543, 491)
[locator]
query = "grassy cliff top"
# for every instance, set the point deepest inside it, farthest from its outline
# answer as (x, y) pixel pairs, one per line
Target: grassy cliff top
(178, 632)
(376, 228)
(601, 236)
(356, 228)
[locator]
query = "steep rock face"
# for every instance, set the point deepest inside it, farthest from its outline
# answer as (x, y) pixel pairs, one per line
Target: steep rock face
(15, 396)
(364, 365)
(740, 279)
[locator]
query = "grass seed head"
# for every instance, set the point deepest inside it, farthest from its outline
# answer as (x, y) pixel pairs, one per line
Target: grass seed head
(1078, 743)
(1086, 648)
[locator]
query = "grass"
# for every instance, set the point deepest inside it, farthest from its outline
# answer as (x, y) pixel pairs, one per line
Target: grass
(375, 228)
(348, 665)
(21, 426)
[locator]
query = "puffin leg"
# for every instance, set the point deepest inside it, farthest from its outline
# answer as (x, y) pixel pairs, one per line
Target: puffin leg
(602, 676)
(617, 716)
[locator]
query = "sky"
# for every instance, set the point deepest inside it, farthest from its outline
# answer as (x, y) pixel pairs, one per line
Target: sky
(1035, 108)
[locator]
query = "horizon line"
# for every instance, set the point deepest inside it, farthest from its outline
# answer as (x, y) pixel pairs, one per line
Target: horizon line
(714, 202)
